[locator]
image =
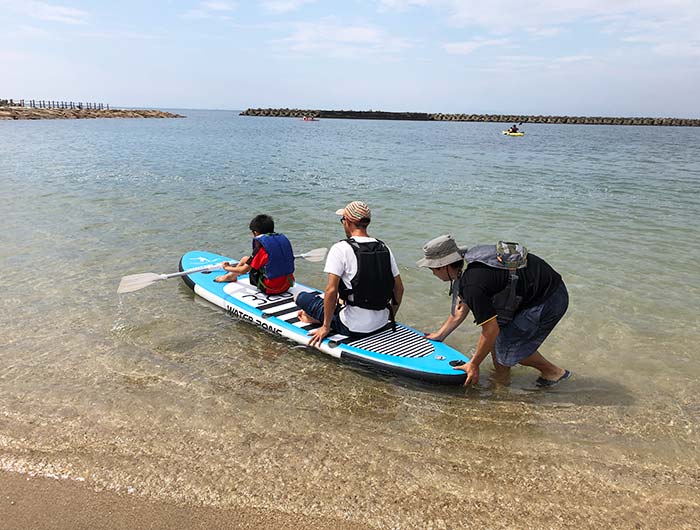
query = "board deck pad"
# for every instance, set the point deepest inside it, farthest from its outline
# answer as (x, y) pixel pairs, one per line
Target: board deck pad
(402, 350)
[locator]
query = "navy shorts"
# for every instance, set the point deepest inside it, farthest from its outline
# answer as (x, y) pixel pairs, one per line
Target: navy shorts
(312, 304)
(521, 337)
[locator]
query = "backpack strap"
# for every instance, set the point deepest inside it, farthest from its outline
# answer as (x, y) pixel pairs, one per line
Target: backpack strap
(454, 292)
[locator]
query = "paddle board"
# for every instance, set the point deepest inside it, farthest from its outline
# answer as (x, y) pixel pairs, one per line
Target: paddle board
(404, 351)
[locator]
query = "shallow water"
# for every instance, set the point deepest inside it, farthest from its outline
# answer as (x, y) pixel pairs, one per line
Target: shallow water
(160, 394)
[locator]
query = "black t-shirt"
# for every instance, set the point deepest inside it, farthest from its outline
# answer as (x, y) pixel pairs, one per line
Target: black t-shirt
(479, 283)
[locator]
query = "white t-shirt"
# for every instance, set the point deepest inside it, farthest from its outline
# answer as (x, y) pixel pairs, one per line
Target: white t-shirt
(342, 262)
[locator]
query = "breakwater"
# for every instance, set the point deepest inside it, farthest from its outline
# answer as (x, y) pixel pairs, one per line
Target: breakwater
(32, 113)
(505, 118)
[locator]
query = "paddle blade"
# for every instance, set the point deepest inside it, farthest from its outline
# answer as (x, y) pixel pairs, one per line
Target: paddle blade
(317, 254)
(134, 282)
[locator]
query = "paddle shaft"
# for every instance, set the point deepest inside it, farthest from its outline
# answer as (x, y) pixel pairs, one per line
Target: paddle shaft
(211, 268)
(134, 282)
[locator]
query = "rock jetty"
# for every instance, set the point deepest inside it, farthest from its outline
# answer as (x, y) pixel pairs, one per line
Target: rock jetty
(28, 113)
(505, 118)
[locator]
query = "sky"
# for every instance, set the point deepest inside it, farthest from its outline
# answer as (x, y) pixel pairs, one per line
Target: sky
(549, 57)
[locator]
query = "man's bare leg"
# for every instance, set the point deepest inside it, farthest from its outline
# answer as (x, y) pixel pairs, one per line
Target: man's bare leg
(501, 372)
(549, 371)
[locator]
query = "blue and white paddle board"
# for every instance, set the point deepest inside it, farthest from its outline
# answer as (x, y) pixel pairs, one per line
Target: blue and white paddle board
(404, 351)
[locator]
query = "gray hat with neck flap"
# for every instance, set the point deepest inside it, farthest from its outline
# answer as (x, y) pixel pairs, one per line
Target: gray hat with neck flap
(441, 251)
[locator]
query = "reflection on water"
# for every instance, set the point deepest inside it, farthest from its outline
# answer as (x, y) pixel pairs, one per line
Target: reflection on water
(163, 395)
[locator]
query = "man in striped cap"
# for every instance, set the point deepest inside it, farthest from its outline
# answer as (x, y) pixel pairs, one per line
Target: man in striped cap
(362, 274)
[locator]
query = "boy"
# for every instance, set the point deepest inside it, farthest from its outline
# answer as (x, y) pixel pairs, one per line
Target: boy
(271, 264)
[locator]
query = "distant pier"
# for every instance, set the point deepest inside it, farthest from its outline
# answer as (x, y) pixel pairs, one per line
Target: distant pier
(505, 118)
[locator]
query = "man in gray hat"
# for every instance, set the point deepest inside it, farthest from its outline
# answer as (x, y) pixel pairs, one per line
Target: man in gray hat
(516, 297)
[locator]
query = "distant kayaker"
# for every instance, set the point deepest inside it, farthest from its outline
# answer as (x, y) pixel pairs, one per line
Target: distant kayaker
(517, 299)
(362, 272)
(271, 263)
(513, 129)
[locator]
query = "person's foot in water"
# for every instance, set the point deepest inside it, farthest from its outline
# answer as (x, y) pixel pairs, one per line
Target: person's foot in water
(542, 382)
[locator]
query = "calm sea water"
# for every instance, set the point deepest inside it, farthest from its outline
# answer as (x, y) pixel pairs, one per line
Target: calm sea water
(159, 394)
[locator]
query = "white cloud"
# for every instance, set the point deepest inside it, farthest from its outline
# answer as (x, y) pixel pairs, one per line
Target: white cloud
(468, 47)
(218, 6)
(401, 5)
(13, 56)
(575, 59)
(285, 6)
(118, 35)
(536, 63)
(30, 31)
(207, 10)
(668, 26)
(196, 14)
(513, 62)
(545, 32)
(512, 15)
(671, 37)
(327, 38)
(678, 49)
(45, 11)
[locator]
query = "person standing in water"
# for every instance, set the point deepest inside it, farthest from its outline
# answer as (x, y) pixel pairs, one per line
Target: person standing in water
(517, 299)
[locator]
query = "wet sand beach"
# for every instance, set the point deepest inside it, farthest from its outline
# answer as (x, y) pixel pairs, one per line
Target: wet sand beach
(31, 503)
(482, 486)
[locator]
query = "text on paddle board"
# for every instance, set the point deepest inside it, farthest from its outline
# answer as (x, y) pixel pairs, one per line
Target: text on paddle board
(254, 320)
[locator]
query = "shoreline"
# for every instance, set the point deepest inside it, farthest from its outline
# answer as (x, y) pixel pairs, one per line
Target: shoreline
(498, 118)
(28, 113)
(28, 503)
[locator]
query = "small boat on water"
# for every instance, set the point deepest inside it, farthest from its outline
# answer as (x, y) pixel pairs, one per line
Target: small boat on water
(309, 118)
(508, 133)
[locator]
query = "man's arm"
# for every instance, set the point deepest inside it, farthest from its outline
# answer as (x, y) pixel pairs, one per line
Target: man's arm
(398, 293)
(452, 323)
(487, 340)
(330, 300)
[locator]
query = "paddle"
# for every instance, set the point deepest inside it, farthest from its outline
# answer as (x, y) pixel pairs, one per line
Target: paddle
(134, 282)
(317, 254)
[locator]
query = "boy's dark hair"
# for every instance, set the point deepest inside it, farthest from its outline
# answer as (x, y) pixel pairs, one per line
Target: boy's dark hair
(262, 224)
